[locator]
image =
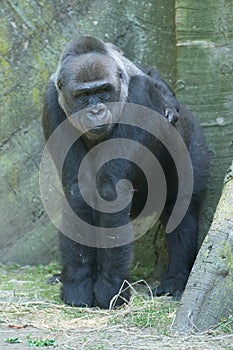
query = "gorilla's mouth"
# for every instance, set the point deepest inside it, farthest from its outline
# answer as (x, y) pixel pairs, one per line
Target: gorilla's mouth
(99, 131)
(102, 126)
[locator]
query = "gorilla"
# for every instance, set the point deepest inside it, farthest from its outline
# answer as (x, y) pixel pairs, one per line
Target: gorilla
(92, 74)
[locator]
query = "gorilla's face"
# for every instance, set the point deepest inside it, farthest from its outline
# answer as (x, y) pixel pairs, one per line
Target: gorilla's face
(88, 82)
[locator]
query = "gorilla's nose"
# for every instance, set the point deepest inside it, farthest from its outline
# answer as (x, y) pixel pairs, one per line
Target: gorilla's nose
(97, 112)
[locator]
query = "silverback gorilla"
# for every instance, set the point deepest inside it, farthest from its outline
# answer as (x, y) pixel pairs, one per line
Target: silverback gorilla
(90, 75)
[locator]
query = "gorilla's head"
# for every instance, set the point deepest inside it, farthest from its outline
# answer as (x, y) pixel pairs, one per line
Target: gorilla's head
(90, 75)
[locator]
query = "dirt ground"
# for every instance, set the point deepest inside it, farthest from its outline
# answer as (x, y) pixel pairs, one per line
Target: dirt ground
(31, 311)
(116, 337)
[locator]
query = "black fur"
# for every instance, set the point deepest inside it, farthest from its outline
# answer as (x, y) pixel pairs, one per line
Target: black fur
(92, 276)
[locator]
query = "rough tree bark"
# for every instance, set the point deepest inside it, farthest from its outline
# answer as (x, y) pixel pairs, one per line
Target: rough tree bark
(209, 293)
(204, 83)
(204, 64)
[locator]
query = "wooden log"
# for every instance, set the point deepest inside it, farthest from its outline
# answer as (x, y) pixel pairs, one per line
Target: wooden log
(208, 296)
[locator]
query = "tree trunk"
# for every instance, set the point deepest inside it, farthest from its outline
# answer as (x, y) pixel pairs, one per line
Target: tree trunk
(204, 64)
(209, 293)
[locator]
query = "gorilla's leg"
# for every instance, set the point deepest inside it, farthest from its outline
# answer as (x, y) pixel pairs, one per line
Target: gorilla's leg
(79, 261)
(182, 248)
(114, 265)
(78, 274)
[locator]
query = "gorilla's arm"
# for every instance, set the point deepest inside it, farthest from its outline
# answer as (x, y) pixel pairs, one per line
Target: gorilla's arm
(172, 105)
(143, 92)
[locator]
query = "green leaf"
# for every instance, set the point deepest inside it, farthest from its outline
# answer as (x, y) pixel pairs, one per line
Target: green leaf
(41, 342)
(14, 340)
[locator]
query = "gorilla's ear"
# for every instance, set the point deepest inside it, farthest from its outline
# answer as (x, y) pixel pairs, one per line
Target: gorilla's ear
(85, 44)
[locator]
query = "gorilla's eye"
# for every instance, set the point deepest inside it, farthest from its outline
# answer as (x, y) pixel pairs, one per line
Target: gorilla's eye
(59, 84)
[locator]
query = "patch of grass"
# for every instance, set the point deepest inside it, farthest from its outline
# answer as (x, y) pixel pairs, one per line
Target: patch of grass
(41, 342)
(226, 325)
(28, 283)
(147, 312)
(23, 284)
(27, 299)
(14, 340)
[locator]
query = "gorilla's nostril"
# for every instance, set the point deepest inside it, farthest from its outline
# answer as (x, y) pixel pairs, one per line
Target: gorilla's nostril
(97, 112)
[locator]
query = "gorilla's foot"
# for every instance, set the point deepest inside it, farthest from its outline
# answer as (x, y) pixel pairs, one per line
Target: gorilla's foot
(78, 293)
(106, 291)
(172, 285)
